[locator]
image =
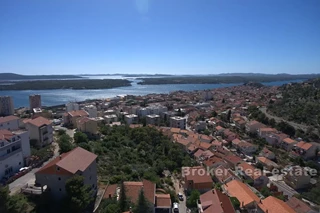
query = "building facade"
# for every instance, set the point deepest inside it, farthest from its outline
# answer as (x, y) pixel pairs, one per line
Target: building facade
(14, 151)
(178, 122)
(40, 130)
(6, 106)
(34, 101)
(76, 162)
(9, 123)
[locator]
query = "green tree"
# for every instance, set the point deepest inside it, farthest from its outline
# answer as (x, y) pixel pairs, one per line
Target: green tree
(85, 146)
(192, 200)
(235, 202)
(214, 113)
(265, 191)
(80, 137)
(79, 196)
(61, 132)
(65, 143)
(123, 201)
(12, 204)
(206, 132)
(143, 205)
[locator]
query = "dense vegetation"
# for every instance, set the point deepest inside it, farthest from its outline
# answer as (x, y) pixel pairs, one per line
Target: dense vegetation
(66, 84)
(13, 76)
(216, 79)
(300, 103)
(12, 204)
(132, 154)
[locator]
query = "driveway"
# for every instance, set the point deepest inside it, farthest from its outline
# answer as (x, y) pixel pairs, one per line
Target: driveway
(29, 178)
(182, 204)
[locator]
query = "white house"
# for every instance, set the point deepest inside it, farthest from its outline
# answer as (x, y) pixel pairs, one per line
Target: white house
(9, 122)
(40, 130)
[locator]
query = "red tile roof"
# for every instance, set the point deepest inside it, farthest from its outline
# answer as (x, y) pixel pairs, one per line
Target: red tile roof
(110, 191)
(196, 175)
(8, 118)
(133, 190)
(163, 200)
(77, 159)
(39, 121)
(288, 140)
(250, 170)
(298, 205)
(274, 205)
(5, 135)
(223, 174)
(215, 201)
(303, 145)
(242, 192)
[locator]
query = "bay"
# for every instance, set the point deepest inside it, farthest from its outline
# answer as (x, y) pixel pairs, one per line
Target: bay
(63, 96)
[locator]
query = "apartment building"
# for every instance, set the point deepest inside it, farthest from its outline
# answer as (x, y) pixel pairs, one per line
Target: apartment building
(178, 122)
(297, 177)
(131, 119)
(92, 111)
(10, 122)
(76, 162)
(40, 130)
(153, 119)
(34, 101)
(70, 118)
(87, 125)
(72, 106)
(6, 106)
(196, 178)
(14, 152)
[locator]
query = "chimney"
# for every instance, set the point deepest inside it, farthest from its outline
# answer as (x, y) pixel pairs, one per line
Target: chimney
(60, 157)
(130, 209)
(260, 201)
(221, 204)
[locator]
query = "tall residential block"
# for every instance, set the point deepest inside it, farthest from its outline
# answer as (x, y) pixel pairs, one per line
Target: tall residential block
(6, 106)
(34, 101)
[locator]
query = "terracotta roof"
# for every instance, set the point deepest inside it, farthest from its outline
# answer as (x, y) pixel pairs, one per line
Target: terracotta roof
(195, 176)
(267, 129)
(133, 190)
(39, 121)
(288, 140)
(266, 161)
(77, 159)
(83, 120)
(223, 174)
(175, 130)
(5, 135)
(233, 159)
(274, 205)
(213, 160)
(216, 143)
(298, 205)
(242, 192)
(183, 141)
(303, 145)
(198, 153)
(219, 128)
(250, 170)
(163, 200)
(236, 141)
(215, 201)
(205, 145)
(110, 191)
(78, 113)
(8, 118)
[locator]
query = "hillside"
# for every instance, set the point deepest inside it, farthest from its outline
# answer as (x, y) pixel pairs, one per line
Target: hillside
(13, 76)
(300, 103)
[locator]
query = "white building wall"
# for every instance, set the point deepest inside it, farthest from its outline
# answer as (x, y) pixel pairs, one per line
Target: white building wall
(72, 106)
(10, 125)
(12, 160)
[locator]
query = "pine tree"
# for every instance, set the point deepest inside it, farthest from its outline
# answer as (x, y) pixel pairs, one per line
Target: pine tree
(143, 205)
(123, 202)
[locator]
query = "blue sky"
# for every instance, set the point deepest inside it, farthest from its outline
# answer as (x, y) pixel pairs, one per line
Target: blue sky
(159, 36)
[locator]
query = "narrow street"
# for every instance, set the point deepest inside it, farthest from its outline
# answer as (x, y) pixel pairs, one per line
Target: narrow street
(182, 204)
(29, 178)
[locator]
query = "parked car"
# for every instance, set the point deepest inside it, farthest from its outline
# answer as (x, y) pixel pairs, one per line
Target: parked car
(175, 208)
(180, 196)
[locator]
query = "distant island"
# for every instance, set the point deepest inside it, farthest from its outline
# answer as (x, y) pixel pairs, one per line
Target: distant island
(225, 78)
(14, 77)
(67, 84)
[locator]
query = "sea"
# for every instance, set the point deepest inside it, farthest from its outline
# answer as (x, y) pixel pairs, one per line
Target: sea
(63, 96)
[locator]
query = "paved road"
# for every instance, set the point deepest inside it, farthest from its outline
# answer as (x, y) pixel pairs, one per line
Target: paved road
(29, 178)
(182, 204)
(278, 119)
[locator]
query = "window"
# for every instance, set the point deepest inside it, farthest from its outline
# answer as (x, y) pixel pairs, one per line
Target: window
(93, 186)
(60, 189)
(90, 177)
(59, 178)
(19, 163)
(58, 168)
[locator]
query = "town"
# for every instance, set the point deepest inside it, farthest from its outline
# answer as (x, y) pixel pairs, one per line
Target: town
(210, 151)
